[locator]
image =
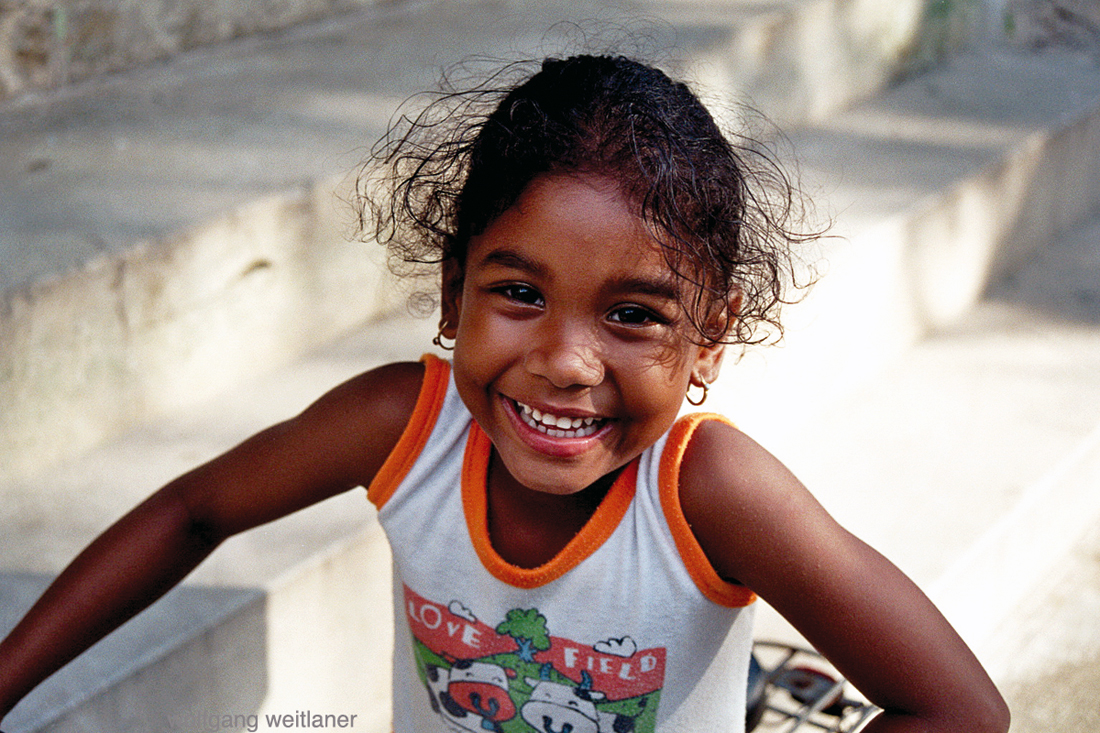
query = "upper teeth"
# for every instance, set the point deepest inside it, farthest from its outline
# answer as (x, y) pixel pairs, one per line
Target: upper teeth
(554, 421)
(558, 422)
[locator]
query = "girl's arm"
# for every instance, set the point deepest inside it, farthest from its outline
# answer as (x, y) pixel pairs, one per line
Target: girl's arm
(337, 443)
(760, 526)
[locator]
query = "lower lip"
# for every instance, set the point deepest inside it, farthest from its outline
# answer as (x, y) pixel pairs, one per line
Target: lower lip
(548, 444)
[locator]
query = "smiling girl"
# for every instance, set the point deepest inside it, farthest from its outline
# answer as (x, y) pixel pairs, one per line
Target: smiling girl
(569, 556)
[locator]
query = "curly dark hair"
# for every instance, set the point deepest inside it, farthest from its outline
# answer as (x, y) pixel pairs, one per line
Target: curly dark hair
(725, 214)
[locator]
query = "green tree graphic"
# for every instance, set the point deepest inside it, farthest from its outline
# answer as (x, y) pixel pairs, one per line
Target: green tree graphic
(528, 629)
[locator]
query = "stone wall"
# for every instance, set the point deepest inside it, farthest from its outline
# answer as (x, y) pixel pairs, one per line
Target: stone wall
(46, 44)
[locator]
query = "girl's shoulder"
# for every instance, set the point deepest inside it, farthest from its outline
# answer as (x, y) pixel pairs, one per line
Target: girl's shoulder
(719, 455)
(737, 497)
(361, 420)
(384, 395)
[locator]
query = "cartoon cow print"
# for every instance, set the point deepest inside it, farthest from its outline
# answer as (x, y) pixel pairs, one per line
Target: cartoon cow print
(471, 696)
(560, 708)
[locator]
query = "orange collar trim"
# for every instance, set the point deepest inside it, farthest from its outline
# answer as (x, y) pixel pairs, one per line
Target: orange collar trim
(475, 473)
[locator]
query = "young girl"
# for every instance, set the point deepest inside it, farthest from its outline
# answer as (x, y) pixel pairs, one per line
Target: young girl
(568, 555)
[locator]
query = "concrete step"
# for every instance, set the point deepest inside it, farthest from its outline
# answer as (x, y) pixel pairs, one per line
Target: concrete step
(43, 46)
(938, 188)
(168, 232)
(200, 647)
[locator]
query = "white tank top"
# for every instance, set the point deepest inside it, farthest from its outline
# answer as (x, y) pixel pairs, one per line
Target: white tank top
(628, 628)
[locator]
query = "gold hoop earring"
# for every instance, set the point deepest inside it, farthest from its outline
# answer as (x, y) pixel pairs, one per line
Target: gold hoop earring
(702, 399)
(438, 340)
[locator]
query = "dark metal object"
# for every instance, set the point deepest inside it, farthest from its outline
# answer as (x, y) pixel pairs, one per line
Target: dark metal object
(793, 688)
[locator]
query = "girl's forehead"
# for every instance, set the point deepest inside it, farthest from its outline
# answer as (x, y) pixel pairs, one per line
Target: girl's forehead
(582, 219)
(583, 196)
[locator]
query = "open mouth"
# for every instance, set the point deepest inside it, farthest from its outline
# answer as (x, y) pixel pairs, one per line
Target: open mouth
(559, 426)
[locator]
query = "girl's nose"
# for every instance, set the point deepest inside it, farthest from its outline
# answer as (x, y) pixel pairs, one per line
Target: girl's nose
(566, 360)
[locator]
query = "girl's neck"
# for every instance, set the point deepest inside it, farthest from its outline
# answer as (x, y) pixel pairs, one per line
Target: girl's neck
(528, 528)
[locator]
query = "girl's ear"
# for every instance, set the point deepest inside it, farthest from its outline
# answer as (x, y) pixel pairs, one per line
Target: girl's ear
(709, 362)
(707, 365)
(450, 297)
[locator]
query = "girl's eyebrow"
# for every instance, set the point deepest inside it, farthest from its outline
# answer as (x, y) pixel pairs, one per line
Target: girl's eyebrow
(664, 287)
(514, 260)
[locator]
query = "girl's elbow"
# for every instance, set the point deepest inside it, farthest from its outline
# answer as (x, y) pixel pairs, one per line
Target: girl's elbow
(998, 717)
(204, 535)
(987, 710)
(192, 525)
(992, 719)
(990, 714)
(986, 713)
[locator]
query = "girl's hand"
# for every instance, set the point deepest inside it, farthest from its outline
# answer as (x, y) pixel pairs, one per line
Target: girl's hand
(760, 526)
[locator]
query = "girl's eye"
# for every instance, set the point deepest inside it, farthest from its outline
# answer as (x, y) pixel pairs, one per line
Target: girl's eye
(520, 293)
(633, 315)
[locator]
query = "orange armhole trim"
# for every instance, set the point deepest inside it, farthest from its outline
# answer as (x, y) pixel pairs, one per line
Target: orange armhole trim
(695, 559)
(475, 471)
(415, 436)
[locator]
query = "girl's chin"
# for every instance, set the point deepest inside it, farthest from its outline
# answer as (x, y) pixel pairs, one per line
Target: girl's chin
(547, 480)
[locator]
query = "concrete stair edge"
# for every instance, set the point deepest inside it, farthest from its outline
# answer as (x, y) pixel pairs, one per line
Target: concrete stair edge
(175, 321)
(1000, 569)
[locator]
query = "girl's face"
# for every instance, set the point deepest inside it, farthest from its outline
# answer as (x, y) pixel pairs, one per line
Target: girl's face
(572, 351)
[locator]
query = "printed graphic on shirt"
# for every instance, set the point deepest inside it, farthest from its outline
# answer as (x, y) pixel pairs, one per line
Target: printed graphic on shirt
(517, 677)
